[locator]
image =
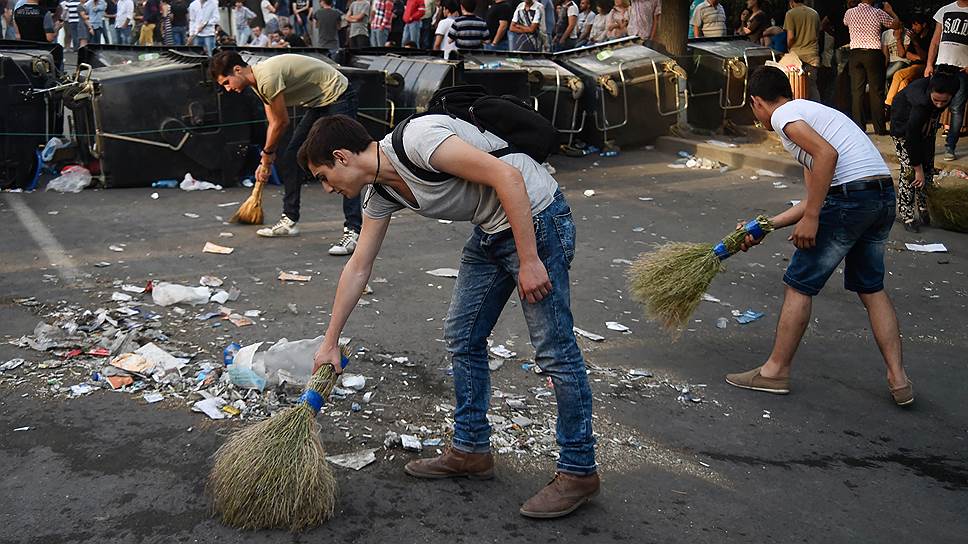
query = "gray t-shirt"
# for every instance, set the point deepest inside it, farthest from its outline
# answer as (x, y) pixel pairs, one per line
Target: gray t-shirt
(457, 199)
(360, 28)
(328, 20)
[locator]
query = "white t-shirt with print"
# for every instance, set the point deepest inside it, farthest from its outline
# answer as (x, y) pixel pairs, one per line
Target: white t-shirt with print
(456, 199)
(443, 29)
(953, 49)
(857, 156)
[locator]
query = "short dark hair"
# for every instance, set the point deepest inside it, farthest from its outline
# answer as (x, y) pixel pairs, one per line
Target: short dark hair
(469, 5)
(770, 84)
(223, 62)
(451, 5)
(944, 83)
(329, 134)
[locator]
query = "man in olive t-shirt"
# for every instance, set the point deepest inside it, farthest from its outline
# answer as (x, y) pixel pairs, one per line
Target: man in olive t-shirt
(802, 25)
(283, 82)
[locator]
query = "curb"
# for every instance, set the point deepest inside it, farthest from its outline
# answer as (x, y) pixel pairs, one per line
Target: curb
(736, 157)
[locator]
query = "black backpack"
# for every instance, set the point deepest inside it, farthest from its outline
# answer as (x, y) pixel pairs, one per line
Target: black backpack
(507, 117)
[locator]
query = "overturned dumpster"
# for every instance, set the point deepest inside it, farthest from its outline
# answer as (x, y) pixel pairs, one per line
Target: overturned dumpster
(418, 75)
(159, 118)
(31, 110)
(718, 78)
(631, 92)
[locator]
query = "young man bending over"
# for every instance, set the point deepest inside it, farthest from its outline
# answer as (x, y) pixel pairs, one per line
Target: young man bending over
(846, 217)
(523, 239)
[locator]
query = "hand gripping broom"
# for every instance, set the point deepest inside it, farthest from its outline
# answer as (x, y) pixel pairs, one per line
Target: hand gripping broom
(274, 474)
(671, 280)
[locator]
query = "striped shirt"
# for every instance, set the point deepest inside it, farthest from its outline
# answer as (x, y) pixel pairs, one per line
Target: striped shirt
(710, 19)
(864, 23)
(468, 32)
(70, 8)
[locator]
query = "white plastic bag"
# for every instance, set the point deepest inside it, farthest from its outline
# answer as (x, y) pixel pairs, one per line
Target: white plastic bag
(73, 180)
(246, 370)
(166, 294)
(192, 184)
(291, 362)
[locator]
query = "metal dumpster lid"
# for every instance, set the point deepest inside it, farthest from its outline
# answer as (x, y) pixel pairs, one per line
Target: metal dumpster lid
(608, 54)
(728, 47)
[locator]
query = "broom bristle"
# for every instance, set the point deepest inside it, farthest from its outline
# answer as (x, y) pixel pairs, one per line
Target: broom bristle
(274, 474)
(250, 212)
(671, 280)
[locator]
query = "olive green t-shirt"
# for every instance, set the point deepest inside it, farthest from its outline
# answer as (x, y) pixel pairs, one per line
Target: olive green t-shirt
(804, 22)
(303, 81)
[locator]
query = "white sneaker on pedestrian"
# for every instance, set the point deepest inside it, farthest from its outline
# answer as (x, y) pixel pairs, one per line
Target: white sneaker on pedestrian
(285, 227)
(345, 245)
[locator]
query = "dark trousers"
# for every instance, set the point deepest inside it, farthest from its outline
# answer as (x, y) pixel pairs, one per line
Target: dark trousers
(867, 79)
(426, 34)
(347, 104)
(359, 42)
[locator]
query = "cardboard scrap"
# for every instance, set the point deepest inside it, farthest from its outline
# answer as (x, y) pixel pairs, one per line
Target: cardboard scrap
(354, 460)
(292, 276)
(215, 248)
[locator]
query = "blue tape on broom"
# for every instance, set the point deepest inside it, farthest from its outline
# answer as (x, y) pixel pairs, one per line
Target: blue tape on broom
(314, 399)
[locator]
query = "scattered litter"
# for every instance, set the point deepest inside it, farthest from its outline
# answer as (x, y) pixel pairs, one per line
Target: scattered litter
(589, 335)
(686, 160)
(210, 281)
(355, 382)
(19, 429)
(444, 221)
(81, 389)
(133, 289)
(766, 414)
(443, 272)
(192, 184)
(292, 276)
(721, 323)
(154, 397)
(11, 364)
(589, 192)
(720, 143)
(686, 395)
(494, 363)
(646, 198)
(239, 320)
(190, 215)
(616, 326)
(227, 204)
(103, 264)
(927, 248)
(166, 294)
(522, 421)
(709, 298)
(132, 362)
(779, 185)
(73, 179)
(768, 173)
(502, 352)
(748, 316)
(411, 443)
(120, 297)
(793, 202)
(640, 373)
(215, 248)
(212, 407)
(225, 235)
(621, 261)
(252, 313)
(154, 196)
(117, 249)
(355, 460)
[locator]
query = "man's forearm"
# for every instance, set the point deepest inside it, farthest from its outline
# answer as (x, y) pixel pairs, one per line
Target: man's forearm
(817, 181)
(517, 206)
(274, 133)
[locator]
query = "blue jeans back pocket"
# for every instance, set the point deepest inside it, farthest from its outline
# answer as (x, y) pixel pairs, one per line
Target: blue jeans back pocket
(565, 228)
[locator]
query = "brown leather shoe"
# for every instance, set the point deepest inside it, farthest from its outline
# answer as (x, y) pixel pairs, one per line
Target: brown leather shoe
(751, 379)
(561, 496)
(904, 395)
(453, 464)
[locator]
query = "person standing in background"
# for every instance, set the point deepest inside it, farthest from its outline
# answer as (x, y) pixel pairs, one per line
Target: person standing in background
(867, 62)
(300, 17)
(110, 16)
(328, 20)
(381, 19)
(949, 46)
(550, 19)
(644, 18)
(569, 26)
(916, 53)
(618, 20)
(526, 27)
(124, 20)
(427, 24)
(72, 20)
(179, 21)
(599, 32)
(150, 17)
(269, 17)
(282, 12)
(259, 38)
(95, 16)
(443, 41)
(498, 23)
(468, 31)
(709, 20)
(413, 14)
(586, 19)
(164, 21)
(756, 23)
(32, 22)
(241, 17)
(802, 26)
(358, 16)
(202, 19)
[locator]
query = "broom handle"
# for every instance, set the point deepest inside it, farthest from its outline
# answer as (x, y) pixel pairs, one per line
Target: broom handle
(314, 399)
(752, 227)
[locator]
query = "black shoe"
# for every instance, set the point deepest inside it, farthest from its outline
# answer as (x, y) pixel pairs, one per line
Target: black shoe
(912, 227)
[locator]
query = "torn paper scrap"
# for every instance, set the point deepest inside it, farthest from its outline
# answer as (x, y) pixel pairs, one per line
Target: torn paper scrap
(616, 326)
(211, 407)
(443, 272)
(589, 335)
(927, 248)
(355, 460)
(215, 248)
(292, 276)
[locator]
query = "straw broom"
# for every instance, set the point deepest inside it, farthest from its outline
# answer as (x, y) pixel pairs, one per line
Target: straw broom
(250, 212)
(671, 280)
(274, 474)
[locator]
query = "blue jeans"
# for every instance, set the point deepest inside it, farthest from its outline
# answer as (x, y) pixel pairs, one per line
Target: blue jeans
(503, 46)
(853, 228)
(957, 106)
(411, 33)
(293, 176)
(208, 42)
(487, 278)
(124, 36)
(179, 34)
(378, 37)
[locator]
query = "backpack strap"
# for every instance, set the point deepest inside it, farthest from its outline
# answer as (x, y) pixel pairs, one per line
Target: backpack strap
(383, 192)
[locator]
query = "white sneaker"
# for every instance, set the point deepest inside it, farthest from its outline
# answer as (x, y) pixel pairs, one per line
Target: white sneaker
(285, 227)
(345, 245)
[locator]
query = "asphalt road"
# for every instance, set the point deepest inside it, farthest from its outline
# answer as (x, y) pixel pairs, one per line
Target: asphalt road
(835, 461)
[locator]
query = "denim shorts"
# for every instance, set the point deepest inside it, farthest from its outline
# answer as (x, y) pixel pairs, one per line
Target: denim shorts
(853, 228)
